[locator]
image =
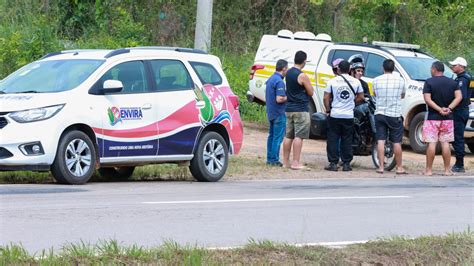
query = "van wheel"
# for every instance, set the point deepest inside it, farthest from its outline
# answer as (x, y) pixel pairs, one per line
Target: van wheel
(116, 173)
(75, 159)
(211, 158)
(415, 133)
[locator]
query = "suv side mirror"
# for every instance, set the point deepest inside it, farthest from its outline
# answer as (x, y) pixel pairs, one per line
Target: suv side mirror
(111, 86)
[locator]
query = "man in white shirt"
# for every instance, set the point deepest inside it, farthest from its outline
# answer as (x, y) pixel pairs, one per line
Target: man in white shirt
(389, 90)
(341, 95)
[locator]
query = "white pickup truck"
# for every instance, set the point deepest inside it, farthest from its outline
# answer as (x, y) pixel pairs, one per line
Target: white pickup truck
(410, 62)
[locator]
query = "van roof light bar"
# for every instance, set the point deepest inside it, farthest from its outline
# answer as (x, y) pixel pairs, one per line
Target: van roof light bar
(286, 34)
(397, 45)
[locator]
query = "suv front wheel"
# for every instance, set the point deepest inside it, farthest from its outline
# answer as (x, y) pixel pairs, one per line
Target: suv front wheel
(75, 159)
(211, 158)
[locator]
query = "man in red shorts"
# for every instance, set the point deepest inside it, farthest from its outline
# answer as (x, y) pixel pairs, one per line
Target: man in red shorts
(441, 95)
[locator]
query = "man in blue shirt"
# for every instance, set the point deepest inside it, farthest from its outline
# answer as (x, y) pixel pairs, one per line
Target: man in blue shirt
(275, 97)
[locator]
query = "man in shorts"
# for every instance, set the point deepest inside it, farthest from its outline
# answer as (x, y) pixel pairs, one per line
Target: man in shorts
(441, 95)
(389, 90)
(298, 91)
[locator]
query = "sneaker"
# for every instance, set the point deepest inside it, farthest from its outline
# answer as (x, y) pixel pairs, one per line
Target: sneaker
(331, 167)
(346, 167)
(458, 169)
(340, 163)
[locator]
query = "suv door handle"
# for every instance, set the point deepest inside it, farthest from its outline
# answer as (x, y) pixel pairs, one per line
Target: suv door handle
(200, 104)
(146, 106)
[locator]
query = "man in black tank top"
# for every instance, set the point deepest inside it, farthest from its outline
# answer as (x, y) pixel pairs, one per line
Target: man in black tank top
(299, 91)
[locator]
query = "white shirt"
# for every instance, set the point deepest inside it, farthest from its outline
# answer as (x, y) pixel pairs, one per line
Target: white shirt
(388, 89)
(343, 103)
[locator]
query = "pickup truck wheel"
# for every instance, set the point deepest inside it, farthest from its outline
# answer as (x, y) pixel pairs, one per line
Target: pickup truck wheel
(211, 158)
(415, 133)
(116, 173)
(75, 159)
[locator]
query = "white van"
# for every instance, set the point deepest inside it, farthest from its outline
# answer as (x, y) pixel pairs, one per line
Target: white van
(76, 111)
(412, 64)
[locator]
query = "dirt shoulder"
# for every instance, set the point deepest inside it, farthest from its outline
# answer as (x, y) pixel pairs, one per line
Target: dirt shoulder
(250, 163)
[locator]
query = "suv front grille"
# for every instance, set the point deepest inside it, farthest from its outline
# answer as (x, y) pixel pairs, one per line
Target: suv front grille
(4, 153)
(3, 122)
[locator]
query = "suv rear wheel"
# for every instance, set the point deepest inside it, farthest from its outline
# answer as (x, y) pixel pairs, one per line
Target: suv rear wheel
(75, 159)
(211, 158)
(415, 134)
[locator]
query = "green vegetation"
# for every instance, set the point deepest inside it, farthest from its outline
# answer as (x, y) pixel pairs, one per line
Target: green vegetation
(452, 249)
(29, 29)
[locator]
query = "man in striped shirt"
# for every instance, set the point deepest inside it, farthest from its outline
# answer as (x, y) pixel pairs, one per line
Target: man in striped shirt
(389, 90)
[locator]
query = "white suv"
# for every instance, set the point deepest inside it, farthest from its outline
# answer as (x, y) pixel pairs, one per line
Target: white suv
(76, 111)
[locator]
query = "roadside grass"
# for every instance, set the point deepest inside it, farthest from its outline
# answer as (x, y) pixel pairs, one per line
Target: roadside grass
(25, 177)
(450, 249)
(158, 172)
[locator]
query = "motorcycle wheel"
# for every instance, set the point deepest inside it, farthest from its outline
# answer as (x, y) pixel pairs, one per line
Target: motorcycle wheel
(389, 162)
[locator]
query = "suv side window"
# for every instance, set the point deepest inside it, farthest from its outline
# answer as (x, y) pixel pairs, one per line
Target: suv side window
(374, 66)
(207, 73)
(344, 54)
(131, 74)
(170, 75)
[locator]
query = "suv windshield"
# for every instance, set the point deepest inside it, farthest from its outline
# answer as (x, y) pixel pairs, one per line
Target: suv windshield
(420, 68)
(49, 76)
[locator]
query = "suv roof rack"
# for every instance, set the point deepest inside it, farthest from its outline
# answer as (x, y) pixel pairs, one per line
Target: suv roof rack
(169, 48)
(117, 52)
(75, 52)
(51, 54)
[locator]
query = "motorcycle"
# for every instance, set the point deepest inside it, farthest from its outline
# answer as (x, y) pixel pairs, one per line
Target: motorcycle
(363, 141)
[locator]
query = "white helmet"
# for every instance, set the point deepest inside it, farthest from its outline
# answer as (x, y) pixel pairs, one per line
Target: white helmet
(357, 58)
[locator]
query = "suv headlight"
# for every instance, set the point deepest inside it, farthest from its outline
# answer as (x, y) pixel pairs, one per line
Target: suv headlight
(37, 114)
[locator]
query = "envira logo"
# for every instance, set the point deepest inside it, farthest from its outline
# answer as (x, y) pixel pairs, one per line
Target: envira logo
(124, 113)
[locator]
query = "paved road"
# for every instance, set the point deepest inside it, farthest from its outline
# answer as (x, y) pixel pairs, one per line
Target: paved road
(230, 213)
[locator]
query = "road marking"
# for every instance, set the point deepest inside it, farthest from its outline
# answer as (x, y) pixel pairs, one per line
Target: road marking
(273, 199)
(337, 244)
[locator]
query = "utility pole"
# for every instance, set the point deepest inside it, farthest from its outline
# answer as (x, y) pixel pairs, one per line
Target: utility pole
(202, 35)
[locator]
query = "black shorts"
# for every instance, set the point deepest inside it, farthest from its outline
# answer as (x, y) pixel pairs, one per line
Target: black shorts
(391, 126)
